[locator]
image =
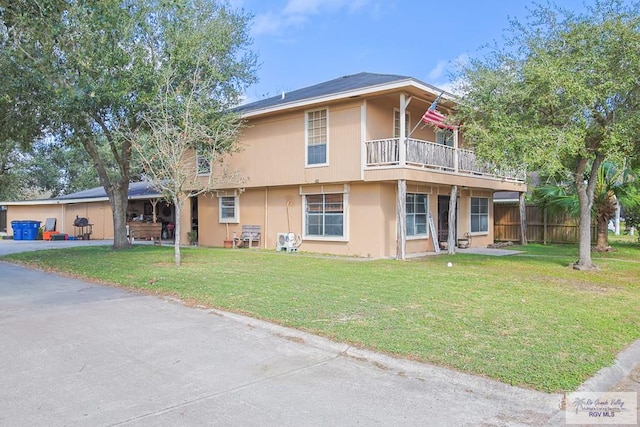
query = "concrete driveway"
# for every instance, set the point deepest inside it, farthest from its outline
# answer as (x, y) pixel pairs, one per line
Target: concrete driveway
(75, 353)
(15, 246)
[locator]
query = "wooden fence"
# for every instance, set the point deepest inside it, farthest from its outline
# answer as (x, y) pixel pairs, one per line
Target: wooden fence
(542, 227)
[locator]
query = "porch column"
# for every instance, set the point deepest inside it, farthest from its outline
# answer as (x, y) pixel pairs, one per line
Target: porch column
(455, 149)
(451, 240)
(401, 219)
(402, 140)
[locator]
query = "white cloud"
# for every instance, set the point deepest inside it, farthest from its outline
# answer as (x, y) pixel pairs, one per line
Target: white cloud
(313, 7)
(440, 75)
(297, 12)
(436, 73)
(271, 23)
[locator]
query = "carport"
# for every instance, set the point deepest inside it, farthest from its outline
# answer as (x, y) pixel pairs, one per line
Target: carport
(145, 204)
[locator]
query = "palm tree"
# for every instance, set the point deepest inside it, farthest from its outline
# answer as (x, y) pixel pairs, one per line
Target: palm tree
(614, 186)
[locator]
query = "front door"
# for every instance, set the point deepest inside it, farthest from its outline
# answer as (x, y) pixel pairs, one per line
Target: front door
(443, 218)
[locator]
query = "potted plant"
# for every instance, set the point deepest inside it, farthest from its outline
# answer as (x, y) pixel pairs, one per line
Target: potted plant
(228, 243)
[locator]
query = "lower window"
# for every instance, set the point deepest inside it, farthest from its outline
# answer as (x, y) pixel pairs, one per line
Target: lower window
(324, 215)
(228, 209)
(417, 207)
(479, 215)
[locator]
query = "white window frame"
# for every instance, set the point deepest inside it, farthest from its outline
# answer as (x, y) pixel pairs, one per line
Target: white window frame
(345, 216)
(236, 210)
(471, 214)
(306, 138)
(424, 235)
(444, 137)
(396, 123)
(201, 161)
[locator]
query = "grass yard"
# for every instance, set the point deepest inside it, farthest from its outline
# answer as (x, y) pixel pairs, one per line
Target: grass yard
(527, 320)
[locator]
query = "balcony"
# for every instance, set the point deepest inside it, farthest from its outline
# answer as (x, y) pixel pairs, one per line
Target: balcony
(430, 155)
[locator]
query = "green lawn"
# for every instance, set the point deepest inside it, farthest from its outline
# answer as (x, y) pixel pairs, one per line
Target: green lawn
(527, 320)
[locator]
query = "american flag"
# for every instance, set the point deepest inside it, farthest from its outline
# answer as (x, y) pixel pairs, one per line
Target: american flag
(434, 117)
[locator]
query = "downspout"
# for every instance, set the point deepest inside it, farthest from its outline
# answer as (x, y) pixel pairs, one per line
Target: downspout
(266, 217)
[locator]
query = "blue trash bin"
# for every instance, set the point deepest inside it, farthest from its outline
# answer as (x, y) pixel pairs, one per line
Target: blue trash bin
(17, 227)
(30, 230)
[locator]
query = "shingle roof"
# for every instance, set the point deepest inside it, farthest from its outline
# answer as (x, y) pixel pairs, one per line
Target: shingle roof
(331, 87)
(136, 190)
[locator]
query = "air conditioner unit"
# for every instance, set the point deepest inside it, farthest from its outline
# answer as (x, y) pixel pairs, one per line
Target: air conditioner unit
(286, 242)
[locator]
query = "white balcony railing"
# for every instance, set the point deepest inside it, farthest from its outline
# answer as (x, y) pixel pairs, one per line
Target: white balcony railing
(430, 155)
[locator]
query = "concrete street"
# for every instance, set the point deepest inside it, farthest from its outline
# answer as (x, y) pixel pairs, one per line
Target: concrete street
(76, 353)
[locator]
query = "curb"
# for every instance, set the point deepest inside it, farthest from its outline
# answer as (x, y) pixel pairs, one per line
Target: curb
(627, 360)
(494, 389)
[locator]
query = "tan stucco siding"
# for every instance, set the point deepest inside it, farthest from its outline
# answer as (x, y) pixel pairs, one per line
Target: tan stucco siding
(464, 217)
(273, 149)
(370, 219)
(36, 213)
(98, 214)
(380, 119)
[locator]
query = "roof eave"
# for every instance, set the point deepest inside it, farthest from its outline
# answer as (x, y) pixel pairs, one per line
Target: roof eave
(399, 84)
(73, 201)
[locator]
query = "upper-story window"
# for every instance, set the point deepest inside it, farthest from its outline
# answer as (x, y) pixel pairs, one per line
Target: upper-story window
(317, 131)
(203, 166)
(444, 137)
(479, 215)
(396, 123)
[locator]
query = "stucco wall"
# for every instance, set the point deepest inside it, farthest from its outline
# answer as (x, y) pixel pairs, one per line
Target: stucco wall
(98, 213)
(370, 218)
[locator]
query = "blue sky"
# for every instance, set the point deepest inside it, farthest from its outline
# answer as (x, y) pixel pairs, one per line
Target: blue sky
(304, 42)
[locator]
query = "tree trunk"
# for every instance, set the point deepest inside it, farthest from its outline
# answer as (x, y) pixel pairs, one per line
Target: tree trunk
(584, 234)
(116, 188)
(177, 204)
(602, 233)
(523, 220)
(586, 190)
(451, 240)
(119, 200)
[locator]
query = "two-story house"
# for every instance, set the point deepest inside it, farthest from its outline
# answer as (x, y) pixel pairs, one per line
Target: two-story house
(350, 167)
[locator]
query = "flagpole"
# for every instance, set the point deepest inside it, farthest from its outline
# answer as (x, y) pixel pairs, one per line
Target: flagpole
(414, 129)
(433, 106)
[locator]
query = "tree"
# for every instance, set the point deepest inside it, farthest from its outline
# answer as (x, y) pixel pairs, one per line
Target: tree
(185, 142)
(86, 72)
(615, 185)
(9, 178)
(562, 94)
